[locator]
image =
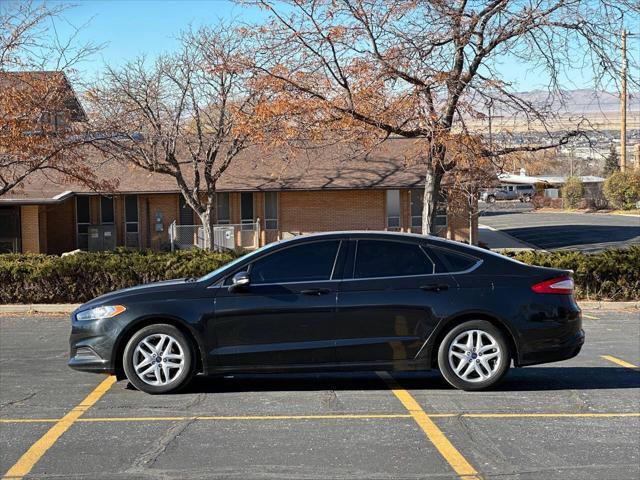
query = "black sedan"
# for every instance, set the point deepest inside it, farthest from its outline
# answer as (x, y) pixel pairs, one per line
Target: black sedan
(335, 302)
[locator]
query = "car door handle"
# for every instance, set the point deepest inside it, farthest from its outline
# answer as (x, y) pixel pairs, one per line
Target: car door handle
(434, 287)
(315, 291)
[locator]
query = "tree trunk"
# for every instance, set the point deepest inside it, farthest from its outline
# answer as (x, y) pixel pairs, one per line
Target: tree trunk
(207, 229)
(432, 180)
(472, 237)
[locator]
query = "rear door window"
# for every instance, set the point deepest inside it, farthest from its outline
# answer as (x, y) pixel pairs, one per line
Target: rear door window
(380, 258)
(301, 263)
(448, 261)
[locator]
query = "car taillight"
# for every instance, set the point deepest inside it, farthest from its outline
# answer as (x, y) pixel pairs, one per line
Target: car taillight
(558, 285)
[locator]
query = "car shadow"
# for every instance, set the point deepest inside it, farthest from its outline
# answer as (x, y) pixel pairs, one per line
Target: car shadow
(518, 380)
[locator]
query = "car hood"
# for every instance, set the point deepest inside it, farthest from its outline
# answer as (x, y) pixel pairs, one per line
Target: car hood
(127, 293)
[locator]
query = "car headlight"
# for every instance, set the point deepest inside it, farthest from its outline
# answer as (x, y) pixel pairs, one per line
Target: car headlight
(100, 313)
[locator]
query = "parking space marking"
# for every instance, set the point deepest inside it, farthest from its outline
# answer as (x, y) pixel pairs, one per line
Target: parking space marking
(455, 459)
(24, 465)
(346, 416)
(618, 361)
(590, 317)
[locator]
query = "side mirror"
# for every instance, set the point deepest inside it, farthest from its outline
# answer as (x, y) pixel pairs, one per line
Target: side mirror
(239, 281)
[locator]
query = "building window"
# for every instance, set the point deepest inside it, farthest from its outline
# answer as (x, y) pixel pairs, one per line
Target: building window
(416, 208)
(223, 212)
(107, 215)
(131, 237)
(393, 209)
(246, 210)
(417, 199)
(186, 212)
(10, 230)
(271, 210)
(83, 220)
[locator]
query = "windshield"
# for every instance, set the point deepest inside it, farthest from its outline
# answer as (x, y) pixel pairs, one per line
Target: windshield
(217, 271)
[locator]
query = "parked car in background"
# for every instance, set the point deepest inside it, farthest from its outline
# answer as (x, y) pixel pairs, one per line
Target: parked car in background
(339, 301)
(524, 193)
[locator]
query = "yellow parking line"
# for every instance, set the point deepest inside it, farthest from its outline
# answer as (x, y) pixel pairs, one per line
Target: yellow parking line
(24, 465)
(348, 416)
(618, 361)
(591, 317)
(547, 415)
(455, 459)
(29, 420)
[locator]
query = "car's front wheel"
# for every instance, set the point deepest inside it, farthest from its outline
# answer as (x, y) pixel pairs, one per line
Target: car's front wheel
(474, 355)
(159, 359)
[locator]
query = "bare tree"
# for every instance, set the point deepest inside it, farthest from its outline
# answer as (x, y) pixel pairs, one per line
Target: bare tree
(41, 122)
(187, 114)
(427, 69)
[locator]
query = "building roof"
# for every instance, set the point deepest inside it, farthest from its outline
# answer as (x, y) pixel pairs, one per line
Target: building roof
(523, 179)
(33, 79)
(391, 164)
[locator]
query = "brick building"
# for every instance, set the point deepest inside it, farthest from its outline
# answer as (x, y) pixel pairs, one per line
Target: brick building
(261, 197)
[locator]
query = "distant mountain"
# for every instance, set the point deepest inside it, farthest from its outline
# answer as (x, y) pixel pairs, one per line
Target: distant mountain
(583, 101)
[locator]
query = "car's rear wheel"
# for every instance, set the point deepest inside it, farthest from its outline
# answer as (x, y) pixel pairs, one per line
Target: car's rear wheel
(474, 355)
(491, 199)
(159, 359)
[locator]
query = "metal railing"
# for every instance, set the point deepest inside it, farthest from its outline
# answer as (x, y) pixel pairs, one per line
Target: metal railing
(225, 236)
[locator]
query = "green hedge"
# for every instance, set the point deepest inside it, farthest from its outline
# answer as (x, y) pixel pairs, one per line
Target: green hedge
(613, 274)
(79, 278)
(608, 275)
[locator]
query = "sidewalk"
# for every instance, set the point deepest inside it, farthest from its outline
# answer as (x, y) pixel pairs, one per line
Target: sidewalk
(497, 240)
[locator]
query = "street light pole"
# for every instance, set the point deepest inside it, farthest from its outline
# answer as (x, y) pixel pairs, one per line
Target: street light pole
(623, 105)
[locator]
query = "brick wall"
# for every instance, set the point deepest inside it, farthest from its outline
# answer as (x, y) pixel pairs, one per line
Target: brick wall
(318, 211)
(30, 227)
(52, 228)
(168, 205)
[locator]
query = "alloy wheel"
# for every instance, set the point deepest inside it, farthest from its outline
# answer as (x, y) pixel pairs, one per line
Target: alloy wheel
(158, 359)
(475, 356)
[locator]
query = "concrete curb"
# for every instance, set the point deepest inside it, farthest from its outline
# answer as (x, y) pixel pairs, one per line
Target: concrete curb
(67, 308)
(28, 309)
(602, 305)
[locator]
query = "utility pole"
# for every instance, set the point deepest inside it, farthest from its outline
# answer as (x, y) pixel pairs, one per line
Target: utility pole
(623, 105)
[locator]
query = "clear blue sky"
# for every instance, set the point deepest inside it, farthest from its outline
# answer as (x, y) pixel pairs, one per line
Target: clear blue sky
(130, 28)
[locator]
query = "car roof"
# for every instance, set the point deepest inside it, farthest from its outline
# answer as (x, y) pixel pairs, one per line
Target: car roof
(373, 234)
(432, 239)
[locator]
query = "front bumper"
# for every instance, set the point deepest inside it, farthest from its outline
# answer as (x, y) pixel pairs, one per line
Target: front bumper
(92, 344)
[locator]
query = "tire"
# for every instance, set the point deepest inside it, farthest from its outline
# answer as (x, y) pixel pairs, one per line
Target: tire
(493, 342)
(156, 341)
(491, 199)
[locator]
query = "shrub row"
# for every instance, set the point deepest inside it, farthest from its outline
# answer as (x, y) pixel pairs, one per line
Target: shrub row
(608, 275)
(81, 277)
(613, 274)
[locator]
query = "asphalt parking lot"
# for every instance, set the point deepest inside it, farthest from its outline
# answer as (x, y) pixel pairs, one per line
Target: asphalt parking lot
(575, 419)
(559, 230)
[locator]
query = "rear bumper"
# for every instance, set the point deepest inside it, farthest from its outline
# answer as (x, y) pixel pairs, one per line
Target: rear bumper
(563, 350)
